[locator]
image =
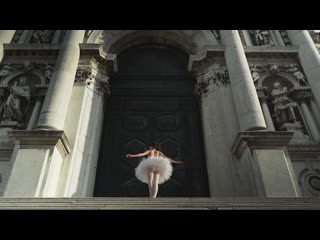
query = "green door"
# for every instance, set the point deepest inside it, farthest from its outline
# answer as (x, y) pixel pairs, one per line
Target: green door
(152, 100)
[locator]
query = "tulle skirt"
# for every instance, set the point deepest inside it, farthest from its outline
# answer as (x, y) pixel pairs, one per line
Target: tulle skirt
(159, 164)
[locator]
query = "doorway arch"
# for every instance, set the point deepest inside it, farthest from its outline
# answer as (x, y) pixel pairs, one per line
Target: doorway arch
(152, 100)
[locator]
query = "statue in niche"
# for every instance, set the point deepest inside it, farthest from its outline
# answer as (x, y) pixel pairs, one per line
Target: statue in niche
(12, 107)
(263, 38)
(283, 105)
(294, 70)
(42, 36)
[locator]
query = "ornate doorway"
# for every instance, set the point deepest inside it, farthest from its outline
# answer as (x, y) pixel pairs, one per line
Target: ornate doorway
(152, 100)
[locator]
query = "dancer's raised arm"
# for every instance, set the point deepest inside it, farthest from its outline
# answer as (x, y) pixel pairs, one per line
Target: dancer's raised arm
(138, 154)
(170, 159)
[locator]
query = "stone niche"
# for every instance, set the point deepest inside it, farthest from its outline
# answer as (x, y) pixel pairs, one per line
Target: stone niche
(21, 86)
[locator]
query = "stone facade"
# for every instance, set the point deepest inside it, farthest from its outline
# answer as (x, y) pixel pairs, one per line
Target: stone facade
(258, 94)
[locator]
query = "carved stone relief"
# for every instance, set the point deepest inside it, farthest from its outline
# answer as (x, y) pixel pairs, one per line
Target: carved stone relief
(258, 70)
(283, 105)
(285, 37)
(309, 179)
(216, 74)
(17, 36)
(20, 84)
(282, 97)
(99, 82)
(42, 36)
(261, 37)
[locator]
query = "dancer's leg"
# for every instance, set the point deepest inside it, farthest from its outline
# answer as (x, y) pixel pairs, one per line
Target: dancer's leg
(155, 184)
(150, 182)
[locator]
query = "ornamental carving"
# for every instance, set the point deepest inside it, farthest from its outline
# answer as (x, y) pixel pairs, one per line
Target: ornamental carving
(99, 82)
(261, 37)
(42, 36)
(285, 37)
(8, 70)
(17, 36)
(258, 70)
(20, 85)
(215, 74)
(283, 105)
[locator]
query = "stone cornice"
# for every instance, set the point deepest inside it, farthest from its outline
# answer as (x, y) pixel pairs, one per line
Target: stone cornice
(41, 139)
(87, 51)
(269, 52)
(260, 140)
(304, 151)
(17, 49)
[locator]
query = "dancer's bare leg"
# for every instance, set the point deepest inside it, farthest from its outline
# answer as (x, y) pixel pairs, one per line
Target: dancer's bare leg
(155, 184)
(150, 182)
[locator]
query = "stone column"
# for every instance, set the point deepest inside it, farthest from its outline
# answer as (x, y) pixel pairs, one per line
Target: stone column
(310, 121)
(55, 106)
(247, 38)
(309, 59)
(315, 111)
(5, 37)
(244, 93)
(279, 38)
(267, 114)
(35, 114)
(84, 159)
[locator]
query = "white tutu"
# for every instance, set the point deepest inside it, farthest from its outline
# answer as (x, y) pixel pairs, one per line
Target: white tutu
(159, 164)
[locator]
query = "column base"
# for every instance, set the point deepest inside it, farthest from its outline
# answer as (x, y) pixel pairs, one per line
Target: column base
(37, 161)
(260, 140)
(41, 139)
(270, 164)
(298, 135)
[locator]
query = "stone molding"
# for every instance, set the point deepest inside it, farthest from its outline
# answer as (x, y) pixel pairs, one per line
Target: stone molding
(41, 139)
(260, 140)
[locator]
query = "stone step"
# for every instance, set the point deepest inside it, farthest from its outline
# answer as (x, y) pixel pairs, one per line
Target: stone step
(158, 203)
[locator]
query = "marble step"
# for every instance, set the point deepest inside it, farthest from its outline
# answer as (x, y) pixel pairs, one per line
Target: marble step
(159, 203)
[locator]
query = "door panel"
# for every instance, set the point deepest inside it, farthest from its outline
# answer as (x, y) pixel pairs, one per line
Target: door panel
(175, 128)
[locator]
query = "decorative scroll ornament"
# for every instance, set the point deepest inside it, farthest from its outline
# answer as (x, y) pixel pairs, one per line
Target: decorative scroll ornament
(258, 70)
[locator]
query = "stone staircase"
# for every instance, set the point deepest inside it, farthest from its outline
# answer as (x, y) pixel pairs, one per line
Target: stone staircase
(158, 203)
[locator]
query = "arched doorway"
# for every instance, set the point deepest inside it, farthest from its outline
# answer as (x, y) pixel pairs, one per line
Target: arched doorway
(151, 100)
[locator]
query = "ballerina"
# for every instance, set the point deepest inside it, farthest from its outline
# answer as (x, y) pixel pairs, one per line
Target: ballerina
(153, 170)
